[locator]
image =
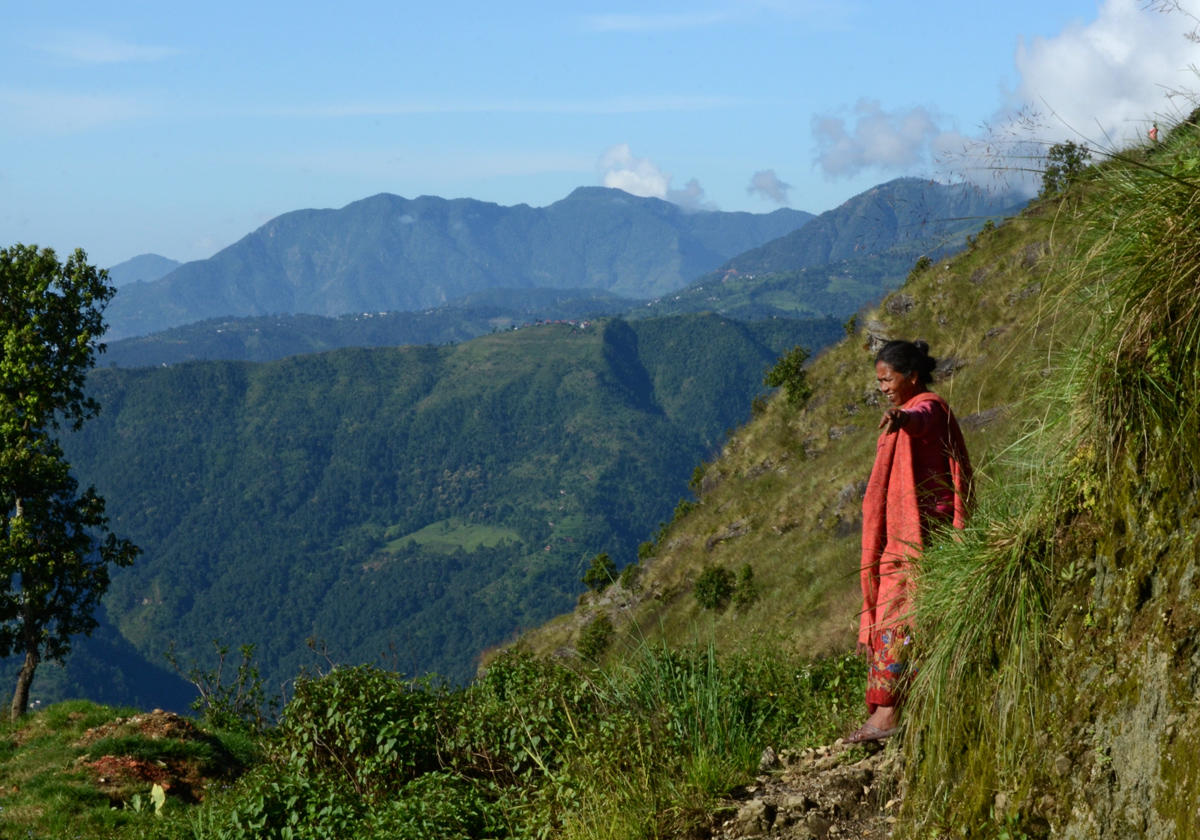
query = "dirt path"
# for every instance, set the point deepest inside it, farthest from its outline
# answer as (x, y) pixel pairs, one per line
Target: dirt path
(835, 791)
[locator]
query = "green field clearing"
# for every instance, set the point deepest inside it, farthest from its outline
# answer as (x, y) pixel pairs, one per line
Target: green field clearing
(450, 534)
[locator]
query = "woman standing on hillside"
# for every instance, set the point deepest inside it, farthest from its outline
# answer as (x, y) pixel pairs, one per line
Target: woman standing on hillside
(921, 480)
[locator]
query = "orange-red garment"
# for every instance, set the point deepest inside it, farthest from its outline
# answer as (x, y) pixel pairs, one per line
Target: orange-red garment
(893, 531)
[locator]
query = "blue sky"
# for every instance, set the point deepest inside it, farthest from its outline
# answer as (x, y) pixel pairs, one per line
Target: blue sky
(177, 128)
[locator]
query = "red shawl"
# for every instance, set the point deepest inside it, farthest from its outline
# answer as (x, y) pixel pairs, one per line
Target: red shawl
(892, 521)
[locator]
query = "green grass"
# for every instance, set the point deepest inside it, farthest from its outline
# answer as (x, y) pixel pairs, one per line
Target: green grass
(43, 793)
(451, 534)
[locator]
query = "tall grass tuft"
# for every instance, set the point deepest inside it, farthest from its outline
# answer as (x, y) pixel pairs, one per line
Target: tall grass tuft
(1122, 402)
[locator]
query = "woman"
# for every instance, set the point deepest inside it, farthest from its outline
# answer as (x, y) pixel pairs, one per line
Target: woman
(921, 480)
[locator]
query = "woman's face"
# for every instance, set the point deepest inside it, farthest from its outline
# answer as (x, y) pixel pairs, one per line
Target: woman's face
(898, 388)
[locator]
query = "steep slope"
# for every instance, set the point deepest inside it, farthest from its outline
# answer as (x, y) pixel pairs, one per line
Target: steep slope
(784, 495)
(390, 253)
(427, 501)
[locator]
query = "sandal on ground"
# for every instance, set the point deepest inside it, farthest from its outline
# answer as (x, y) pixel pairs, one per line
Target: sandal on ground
(867, 732)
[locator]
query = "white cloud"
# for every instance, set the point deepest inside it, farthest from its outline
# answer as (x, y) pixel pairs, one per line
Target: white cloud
(767, 184)
(1101, 83)
(93, 48)
(895, 140)
(691, 197)
(621, 169)
(639, 176)
(1106, 80)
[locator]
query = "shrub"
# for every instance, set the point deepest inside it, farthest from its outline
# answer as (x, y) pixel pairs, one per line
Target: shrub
(789, 373)
(714, 587)
(595, 638)
(240, 704)
(1065, 162)
(922, 265)
(600, 573)
(436, 806)
(630, 574)
(745, 591)
(367, 727)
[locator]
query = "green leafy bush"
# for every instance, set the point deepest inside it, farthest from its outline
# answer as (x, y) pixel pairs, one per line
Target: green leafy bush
(745, 590)
(788, 373)
(714, 587)
(922, 265)
(594, 638)
(230, 704)
(630, 575)
(601, 572)
(363, 726)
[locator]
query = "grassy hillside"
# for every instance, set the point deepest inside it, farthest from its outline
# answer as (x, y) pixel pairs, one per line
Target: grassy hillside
(418, 503)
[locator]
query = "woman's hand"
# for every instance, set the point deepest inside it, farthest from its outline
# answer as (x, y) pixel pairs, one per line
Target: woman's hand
(862, 649)
(893, 419)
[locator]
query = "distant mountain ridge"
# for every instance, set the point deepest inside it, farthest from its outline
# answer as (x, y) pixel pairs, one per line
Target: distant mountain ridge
(846, 257)
(144, 268)
(908, 213)
(387, 253)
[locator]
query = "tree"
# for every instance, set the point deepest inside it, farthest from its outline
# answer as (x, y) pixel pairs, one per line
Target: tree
(1065, 162)
(55, 547)
(788, 373)
(600, 573)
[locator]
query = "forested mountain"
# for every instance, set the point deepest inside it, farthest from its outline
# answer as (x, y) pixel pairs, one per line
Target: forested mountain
(825, 291)
(845, 257)
(274, 336)
(388, 253)
(911, 215)
(424, 502)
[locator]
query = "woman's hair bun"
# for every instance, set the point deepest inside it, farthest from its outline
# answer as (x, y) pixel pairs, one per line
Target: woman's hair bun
(905, 357)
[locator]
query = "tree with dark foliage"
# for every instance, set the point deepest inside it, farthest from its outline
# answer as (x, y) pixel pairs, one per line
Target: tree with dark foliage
(55, 547)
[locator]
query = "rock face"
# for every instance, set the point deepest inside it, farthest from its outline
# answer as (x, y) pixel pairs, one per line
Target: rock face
(732, 531)
(877, 336)
(833, 791)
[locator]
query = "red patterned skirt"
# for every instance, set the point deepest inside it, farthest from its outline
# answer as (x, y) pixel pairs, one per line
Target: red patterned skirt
(888, 671)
